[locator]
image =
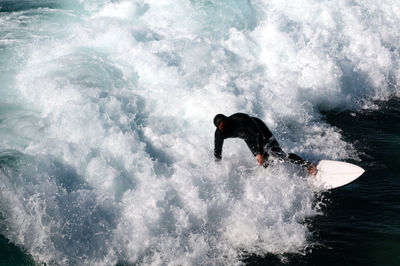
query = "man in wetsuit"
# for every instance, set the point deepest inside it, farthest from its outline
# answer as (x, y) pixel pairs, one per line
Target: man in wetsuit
(257, 136)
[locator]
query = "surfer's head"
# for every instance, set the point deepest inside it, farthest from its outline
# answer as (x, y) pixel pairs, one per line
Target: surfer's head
(221, 122)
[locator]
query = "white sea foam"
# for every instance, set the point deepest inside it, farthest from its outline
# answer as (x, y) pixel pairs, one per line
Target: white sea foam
(107, 133)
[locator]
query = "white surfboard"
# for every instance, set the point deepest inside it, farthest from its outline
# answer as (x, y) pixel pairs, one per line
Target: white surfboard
(333, 174)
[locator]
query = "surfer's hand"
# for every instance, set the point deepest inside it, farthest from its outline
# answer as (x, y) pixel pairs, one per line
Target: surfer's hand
(260, 159)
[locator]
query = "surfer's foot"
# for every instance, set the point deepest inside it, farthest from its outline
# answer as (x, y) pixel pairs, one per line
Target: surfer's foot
(312, 170)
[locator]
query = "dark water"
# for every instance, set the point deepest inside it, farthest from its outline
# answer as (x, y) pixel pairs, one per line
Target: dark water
(10, 254)
(361, 221)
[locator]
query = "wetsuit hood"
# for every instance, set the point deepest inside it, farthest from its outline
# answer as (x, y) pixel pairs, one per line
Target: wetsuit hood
(220, 118)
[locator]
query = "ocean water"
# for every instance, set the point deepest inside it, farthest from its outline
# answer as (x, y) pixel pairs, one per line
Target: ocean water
(106, 133)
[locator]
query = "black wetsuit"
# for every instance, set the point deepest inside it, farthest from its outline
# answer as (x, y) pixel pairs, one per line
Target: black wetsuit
(257, 136)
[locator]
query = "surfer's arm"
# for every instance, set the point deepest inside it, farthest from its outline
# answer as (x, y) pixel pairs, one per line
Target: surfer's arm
(259, 139)
(260, 145)
(218, 143)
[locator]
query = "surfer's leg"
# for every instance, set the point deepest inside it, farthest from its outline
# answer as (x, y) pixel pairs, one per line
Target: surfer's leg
(289, 157)
(276, 151)
(296, 159)
(311, 167)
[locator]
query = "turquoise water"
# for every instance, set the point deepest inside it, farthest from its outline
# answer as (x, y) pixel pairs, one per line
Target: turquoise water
(106, 133)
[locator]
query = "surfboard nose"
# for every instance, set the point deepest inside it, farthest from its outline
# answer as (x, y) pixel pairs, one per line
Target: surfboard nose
(332, 174)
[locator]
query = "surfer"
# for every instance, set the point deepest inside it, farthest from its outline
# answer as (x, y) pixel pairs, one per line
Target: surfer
(258, 138)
